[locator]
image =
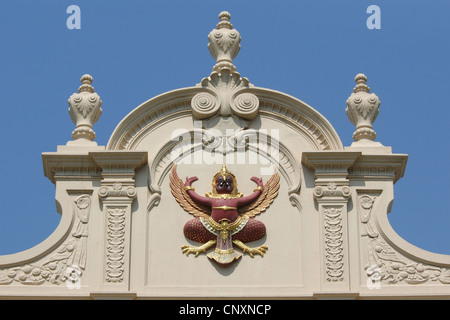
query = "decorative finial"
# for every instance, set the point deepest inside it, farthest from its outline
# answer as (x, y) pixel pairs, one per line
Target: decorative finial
(361, 80)
(86, 84)
(224, 170)
(224, 17)
(362, 110)
(224, 43)
(85, 110)
(225, 91)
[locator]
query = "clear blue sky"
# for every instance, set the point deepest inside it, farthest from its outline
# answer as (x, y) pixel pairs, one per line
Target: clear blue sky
(309, 49)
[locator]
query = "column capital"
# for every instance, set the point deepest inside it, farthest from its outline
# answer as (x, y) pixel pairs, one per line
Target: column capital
(118, 174)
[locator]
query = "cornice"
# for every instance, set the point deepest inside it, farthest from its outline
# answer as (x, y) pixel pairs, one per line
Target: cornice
(89, 165)
(176, 104)
(357, 165)
(69, 166)
(379, 166)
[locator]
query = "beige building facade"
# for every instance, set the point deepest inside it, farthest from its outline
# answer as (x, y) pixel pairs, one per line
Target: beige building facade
(316, 226)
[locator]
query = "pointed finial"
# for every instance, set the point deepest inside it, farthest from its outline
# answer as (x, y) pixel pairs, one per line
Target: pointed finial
(224, 169)
(361, 80)
(223, 172)
(224, 17)
(224, 43)
(86, 84)
(85, 110)
(362, 110)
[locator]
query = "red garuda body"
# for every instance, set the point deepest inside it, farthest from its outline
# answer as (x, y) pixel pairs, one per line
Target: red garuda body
(224, 216)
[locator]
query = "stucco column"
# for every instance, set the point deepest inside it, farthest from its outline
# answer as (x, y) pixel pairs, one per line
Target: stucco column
(117, 194)
(332, 193)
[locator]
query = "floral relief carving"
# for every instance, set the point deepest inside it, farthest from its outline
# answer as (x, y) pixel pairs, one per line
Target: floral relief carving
(115, 244)
(117, 198)
(226, 40)
(334, 256)
(384, 264)
(66, 264)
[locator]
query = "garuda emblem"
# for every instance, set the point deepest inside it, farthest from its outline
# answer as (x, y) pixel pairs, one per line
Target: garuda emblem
(224, 216)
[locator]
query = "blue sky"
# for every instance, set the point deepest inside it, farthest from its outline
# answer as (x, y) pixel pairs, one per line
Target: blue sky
(309, 49)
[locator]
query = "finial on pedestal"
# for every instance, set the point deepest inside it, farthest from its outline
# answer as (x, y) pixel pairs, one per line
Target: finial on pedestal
(85, 110)
(361, 85)
(86, 84)
(225, 91)
(224, 17)
(224, 43)
(362, 110)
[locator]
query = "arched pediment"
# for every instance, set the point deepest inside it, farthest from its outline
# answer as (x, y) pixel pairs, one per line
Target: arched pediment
(273, 105)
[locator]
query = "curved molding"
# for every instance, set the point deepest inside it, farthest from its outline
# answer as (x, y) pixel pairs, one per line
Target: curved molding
(177, 104)
(150, 115)
(48, 245)
(299, 116)
(279, 156)
(245, 105)
(389, 257)
(407, 249)
(204, 104)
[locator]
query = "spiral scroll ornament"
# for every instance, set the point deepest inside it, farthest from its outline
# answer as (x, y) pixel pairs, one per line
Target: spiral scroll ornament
(204, 105)
(245, 105)
(225, 93)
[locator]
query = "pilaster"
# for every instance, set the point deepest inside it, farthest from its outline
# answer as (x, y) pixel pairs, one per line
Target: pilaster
(332, 193)
(117, 194)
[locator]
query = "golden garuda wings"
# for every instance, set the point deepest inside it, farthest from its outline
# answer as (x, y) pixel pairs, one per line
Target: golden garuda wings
(270, 191)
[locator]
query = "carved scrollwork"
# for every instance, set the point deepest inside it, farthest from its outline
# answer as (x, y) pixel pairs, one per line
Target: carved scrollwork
(117, 199)
(117, 190)
(384, 264)
(204, 105)
(332, 190)
(224, 83)
(115, 244)
(224, 97)
(66, 264)
(334, 244)
(245, 105)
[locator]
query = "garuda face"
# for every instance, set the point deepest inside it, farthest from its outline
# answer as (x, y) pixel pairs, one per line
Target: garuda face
(224, 184)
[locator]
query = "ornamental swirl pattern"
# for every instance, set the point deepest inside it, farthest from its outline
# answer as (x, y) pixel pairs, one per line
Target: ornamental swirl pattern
(115, 245)
(334, 244)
